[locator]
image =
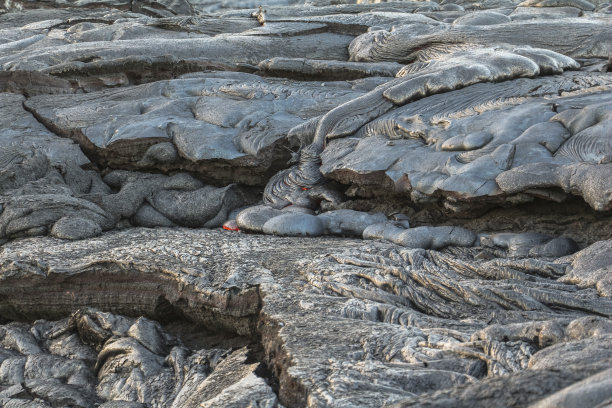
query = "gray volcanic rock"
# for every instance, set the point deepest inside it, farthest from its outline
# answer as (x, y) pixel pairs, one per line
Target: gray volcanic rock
(20, 130)
(466, 144)
(417, 82)
(41, 179)
(156, 8)
(519, 245)
(598, 387)
(180, 199)
(301, 68)
(231, 128)
(349, 222)
(434, 237)
(581, 4)
(589, 127)
(294, 224)
(205, 207)
(464, 147)
(157, 51)
(573, 351)
(75, 228)
(521, 390)
(537, 13)
(591, 268)
(480, 18)
(125, 362)
(45, 189)
(416, 41)
(296, 221)
(394, 318)
(254, 218)
(420, 237)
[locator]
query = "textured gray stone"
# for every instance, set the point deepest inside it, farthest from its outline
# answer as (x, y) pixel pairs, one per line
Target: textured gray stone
(435, 237)
(349, 222)
(254, 218)
(397, 318)
(589, 392)
(480, 18)
(203, 123)
(464, 145)
(416, 82)
(405, 43)
(580, 351)
(581, 4)
(294, 224)
(135, 363)
(75, 228)
(591, 268)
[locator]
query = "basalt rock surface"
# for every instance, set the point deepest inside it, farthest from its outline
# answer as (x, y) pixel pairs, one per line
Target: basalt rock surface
(322, 203)
(97, 358)
(395, 323)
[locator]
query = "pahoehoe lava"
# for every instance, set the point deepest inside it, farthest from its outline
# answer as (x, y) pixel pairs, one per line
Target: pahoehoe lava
(305, 203)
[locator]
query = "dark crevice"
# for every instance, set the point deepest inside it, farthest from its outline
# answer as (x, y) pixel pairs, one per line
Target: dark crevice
(257, 354)
(58, 132)
(190, 334)
(188, 317)
(139, 70)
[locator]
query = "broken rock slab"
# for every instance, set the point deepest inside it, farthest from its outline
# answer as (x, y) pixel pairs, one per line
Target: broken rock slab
(228, 128)
(136, 50)
(92, 358)
(46, 189)
(460, 145)
(413, 322)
